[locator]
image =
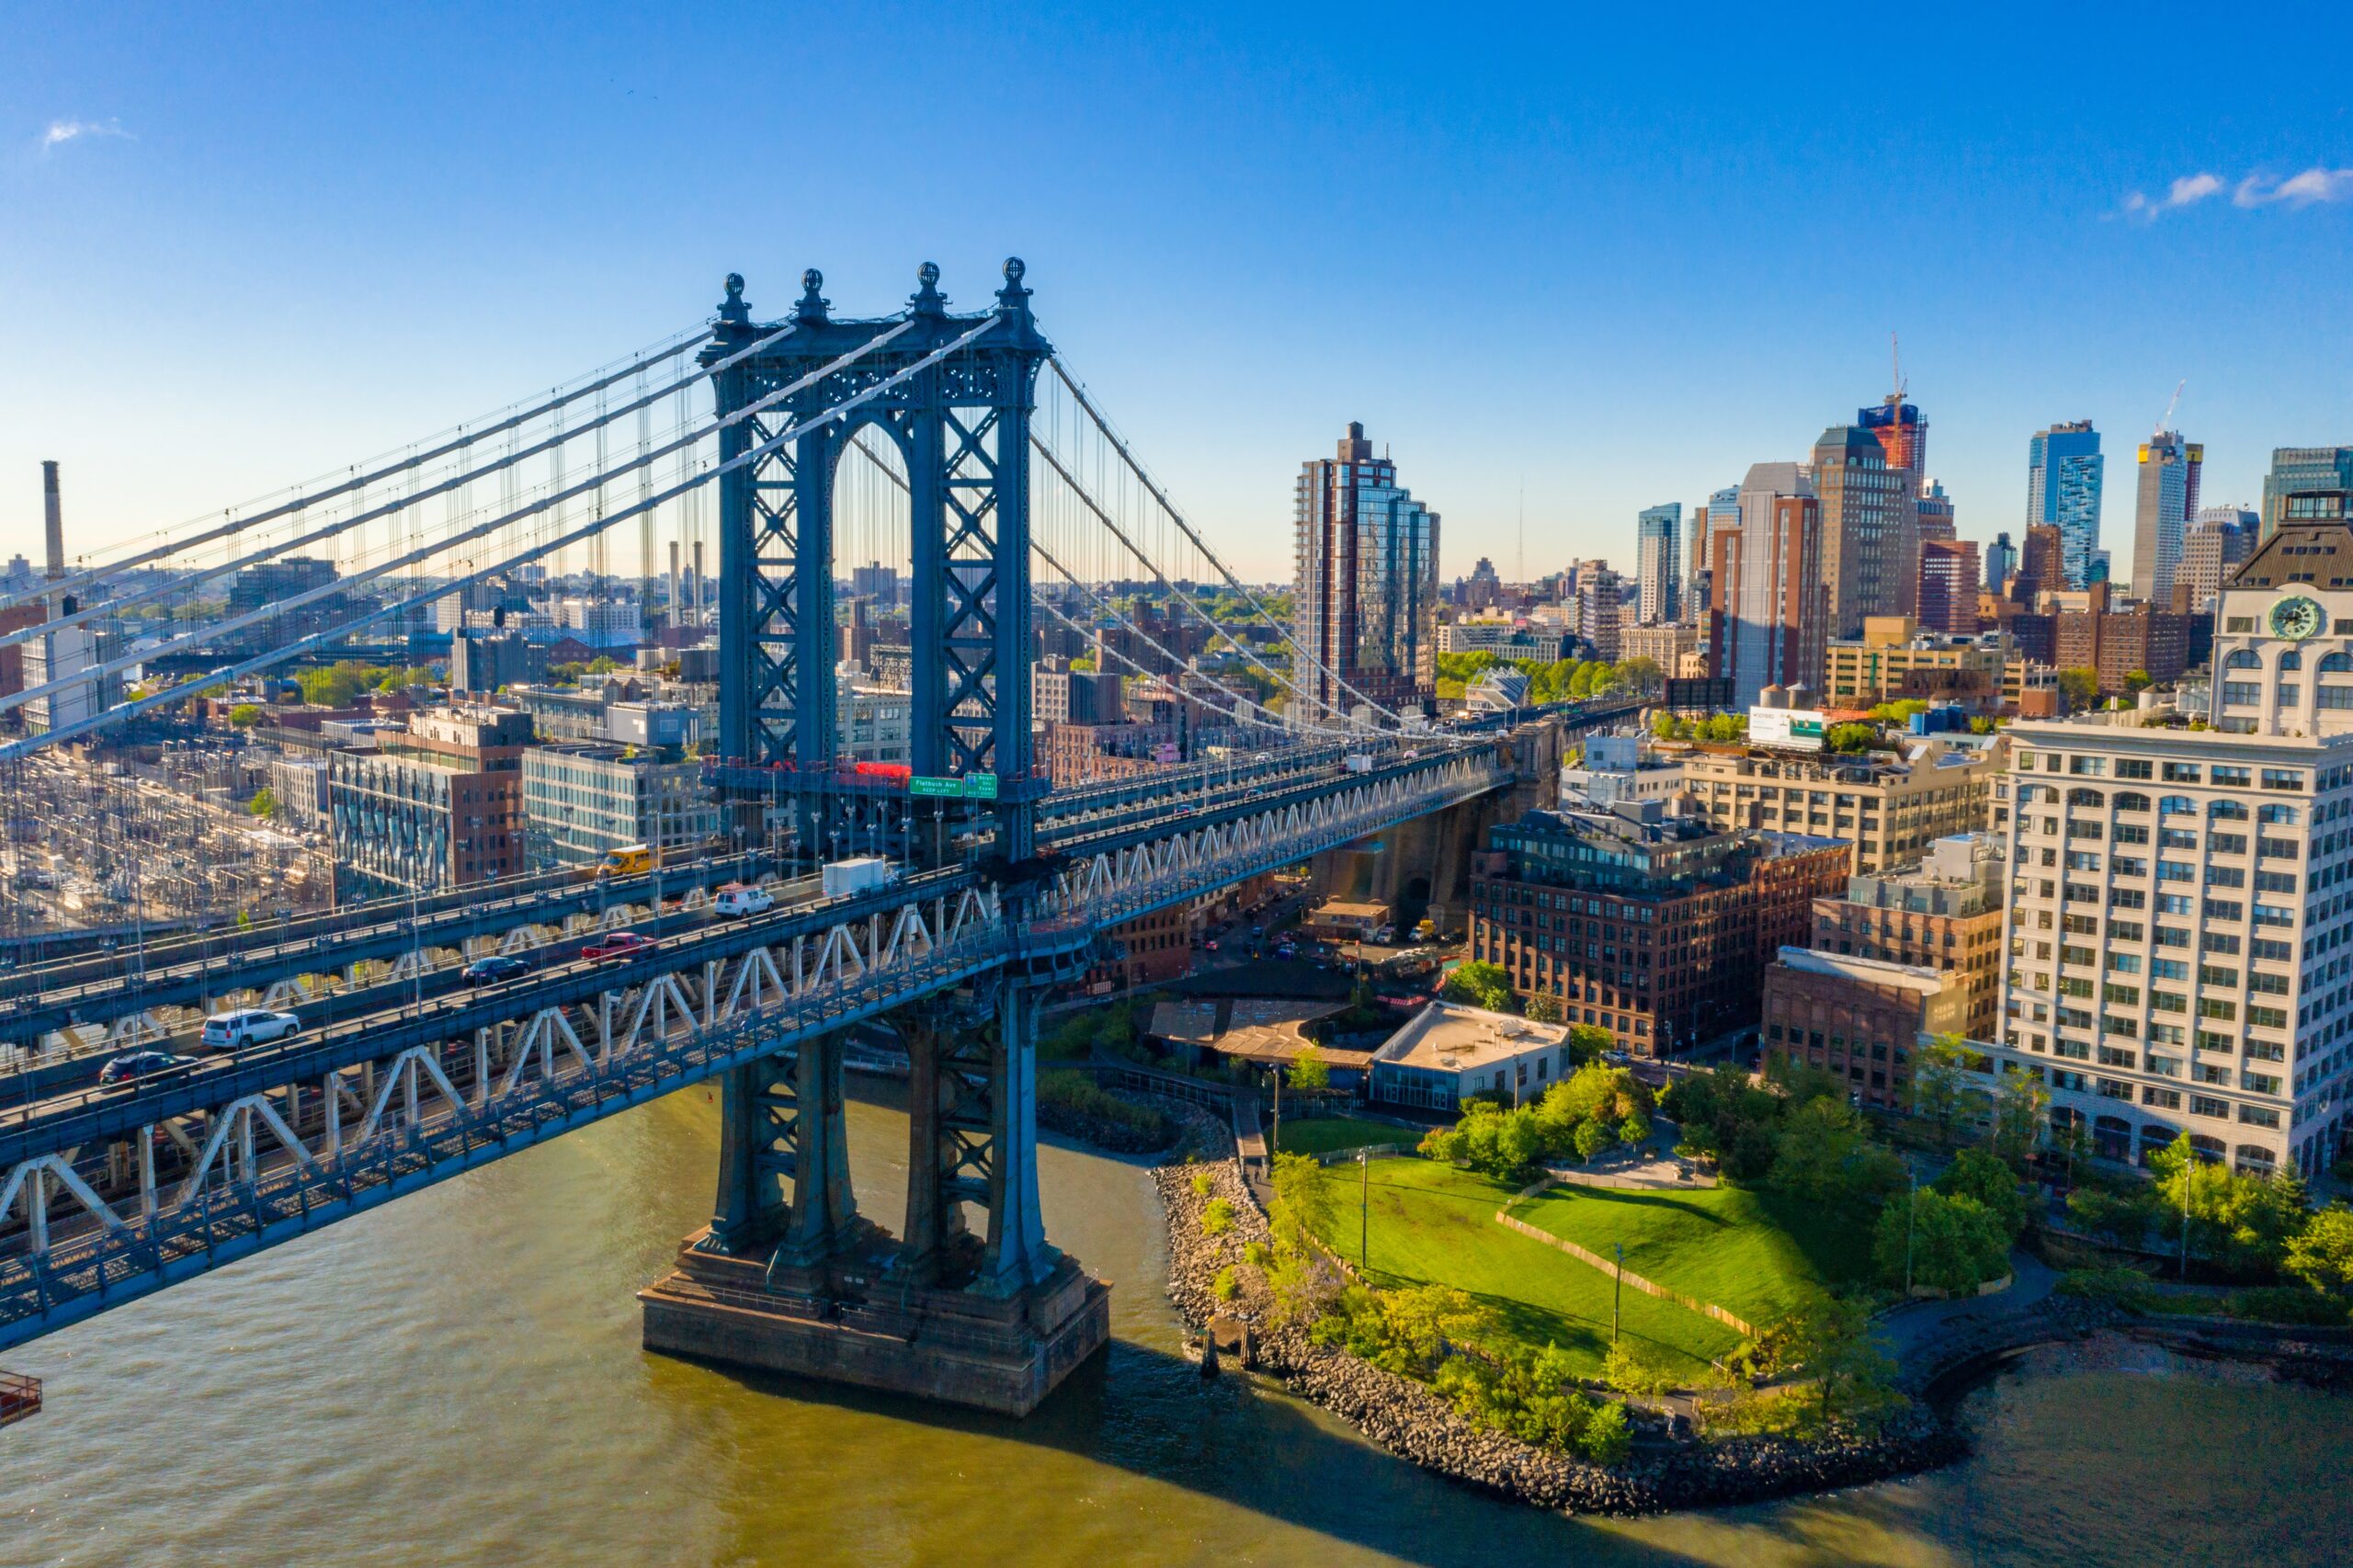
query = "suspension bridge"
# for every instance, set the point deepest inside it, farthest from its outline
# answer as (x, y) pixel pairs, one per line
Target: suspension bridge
(958, 442)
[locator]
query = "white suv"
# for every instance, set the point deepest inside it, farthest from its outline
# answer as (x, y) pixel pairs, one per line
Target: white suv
(246, 1026)
(737, 901)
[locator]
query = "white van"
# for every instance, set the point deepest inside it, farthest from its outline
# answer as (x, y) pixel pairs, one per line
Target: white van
(246, 1026)
(735, 901)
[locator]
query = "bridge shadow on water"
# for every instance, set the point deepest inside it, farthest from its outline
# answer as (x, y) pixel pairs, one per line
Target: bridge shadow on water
(1241, 1442)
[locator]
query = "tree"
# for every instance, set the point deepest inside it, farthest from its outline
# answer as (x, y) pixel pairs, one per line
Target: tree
(2136, 682)
(1831, 1341)
(1980, 1175)
(1953, 1243)
(1544, 1007)
(2243, 1221)
(264, 803)
(1480, 985)
(1304, 1204)
(1939, 1084)
(2120, 1219)
(1824, 1155)
(2321, 1252)
(1587, 1042)
(1594, 1137)
(2081, 687)
(1309, 1069)
(1666, 726)
(245, 715)
(2022, 1101)
(1643, 673)
(1851, 739)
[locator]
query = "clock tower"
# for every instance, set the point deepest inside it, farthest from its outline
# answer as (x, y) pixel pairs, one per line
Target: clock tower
(2283, 628)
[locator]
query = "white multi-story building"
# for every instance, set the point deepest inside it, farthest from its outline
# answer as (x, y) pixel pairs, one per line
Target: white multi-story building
(2180, 926)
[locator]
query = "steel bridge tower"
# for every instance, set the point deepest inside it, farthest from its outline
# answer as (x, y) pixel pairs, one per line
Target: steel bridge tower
(954, 394)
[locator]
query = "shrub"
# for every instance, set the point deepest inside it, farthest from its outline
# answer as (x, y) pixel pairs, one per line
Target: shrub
(1225, 1287)
(1200, 1184)
(2288, 1304)
(1070, 1101)
(1257, 1254)
(1951, 1243)
(2128, 1287)
(1607, 1439)
(1981, 1176)
(1630, 1370)
(1217, 1218)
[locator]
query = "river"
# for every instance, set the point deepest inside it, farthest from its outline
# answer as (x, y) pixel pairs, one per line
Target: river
(456, 1380)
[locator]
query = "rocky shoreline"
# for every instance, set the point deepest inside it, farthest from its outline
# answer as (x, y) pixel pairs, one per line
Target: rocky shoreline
(1414, 1423)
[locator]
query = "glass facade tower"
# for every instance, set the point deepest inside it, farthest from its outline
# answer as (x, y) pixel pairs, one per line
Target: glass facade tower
(2063, 489)
(1364, 600)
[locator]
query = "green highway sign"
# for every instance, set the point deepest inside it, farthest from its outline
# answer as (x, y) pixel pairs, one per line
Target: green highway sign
(920, 785)
(980, 786)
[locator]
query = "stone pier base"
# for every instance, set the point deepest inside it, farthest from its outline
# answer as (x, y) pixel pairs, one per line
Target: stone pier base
(847, 1321)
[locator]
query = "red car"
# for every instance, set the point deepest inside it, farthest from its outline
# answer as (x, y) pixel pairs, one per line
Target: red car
(620, 945)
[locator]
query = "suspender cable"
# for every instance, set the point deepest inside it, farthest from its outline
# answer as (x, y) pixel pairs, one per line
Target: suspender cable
(302, 645)
(503, 462)
(342, 585)
(75, 582)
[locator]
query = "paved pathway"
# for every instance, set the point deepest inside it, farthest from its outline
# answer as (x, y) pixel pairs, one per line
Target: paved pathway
(1915, 1325)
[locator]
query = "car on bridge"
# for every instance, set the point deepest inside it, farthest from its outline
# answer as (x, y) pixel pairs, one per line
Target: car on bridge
(246, 1026)
(497, 967)
(619, 945)
(737, 901)
(133, 1065)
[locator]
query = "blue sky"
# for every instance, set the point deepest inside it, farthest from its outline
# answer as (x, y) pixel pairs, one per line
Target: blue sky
(1601, 258)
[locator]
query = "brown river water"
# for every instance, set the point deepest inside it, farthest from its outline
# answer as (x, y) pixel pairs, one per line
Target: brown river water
(456, 1380)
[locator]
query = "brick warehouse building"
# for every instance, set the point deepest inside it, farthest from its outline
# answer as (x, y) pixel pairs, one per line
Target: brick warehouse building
(1858, 1018)
(1655, 926)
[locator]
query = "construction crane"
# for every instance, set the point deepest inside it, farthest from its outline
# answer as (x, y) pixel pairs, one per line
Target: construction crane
(2165, 423)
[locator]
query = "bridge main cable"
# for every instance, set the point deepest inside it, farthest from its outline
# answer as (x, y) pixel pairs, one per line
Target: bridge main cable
(75, 582)
(123, 711)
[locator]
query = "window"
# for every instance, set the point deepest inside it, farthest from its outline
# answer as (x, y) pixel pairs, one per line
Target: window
(2241, 693)
(2133, 767)
(2182, 772)
(2210, 974)
(2169, 969)
(2281, 777)
(2244, 659)
(2273, 812)
(2258, 1116)
(2200, 1105)
(2216, 1008)
(2223, 775)
(2124, 963)
(2178, 805)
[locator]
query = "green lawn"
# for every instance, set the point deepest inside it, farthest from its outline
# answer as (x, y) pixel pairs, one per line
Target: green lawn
(1750, 1253)
(1432, 1224)
(1322, 1134)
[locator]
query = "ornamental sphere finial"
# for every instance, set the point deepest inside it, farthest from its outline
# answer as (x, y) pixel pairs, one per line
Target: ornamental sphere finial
(928, 275)
(1014, 270)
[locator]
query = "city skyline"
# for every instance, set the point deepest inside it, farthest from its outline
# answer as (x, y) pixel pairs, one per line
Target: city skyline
(1530, 194)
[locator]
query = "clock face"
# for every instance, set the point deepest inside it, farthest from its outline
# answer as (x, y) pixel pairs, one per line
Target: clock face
(2296, 619)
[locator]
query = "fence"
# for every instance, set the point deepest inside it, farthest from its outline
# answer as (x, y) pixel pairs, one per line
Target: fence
(1647, 1287)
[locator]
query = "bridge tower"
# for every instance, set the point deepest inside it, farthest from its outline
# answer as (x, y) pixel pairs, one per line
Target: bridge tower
(954, 394)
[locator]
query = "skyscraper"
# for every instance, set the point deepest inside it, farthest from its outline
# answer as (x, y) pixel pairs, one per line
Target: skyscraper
(2063, 488)
(1949, 586)
(1365, 604)
(1767, 619)
(1656, 559)
(1721, 514)
(1903, 435)
(2300, 469)
(2000, 561)
(2221, 539)
(1871, 542)
(2168, 499)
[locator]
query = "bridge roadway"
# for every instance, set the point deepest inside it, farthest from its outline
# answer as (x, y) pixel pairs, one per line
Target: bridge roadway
(193, 968)
(186, 971)
(798, 972)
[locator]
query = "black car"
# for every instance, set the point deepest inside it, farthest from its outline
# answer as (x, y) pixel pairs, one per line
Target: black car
(497, 967)
(138, 1064)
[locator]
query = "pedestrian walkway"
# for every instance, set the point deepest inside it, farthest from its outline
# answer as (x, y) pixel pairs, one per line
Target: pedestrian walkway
(1915, 1326)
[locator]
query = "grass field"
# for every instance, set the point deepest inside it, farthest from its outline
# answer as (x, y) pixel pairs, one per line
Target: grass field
(1432, 1224)
(1322, 1134)
(1751, 1253)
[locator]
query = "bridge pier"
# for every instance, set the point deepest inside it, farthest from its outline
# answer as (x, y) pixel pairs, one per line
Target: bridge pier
(790, 1277)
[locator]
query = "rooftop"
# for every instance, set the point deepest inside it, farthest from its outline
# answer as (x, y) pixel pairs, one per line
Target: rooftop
(1448, 1037)
(1911, 977)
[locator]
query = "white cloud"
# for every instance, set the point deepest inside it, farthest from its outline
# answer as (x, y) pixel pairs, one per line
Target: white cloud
(2187, 191)
(2315, 185)
(60, 132)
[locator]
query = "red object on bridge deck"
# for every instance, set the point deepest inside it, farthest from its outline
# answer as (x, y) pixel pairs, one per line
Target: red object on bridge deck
(19, 1397)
